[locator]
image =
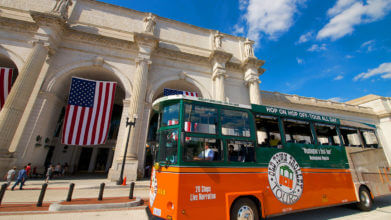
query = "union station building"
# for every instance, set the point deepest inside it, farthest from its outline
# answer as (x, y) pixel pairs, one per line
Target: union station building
(48, 42)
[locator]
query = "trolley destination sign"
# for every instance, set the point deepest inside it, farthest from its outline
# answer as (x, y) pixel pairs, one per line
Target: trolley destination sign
(294, 114)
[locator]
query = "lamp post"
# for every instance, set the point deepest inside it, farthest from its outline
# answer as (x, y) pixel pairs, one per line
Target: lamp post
(128, 123)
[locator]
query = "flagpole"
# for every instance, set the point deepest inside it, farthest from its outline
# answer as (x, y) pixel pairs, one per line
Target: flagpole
(128, 123)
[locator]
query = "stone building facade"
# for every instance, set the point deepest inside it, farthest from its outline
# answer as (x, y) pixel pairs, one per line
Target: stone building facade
(49, 41)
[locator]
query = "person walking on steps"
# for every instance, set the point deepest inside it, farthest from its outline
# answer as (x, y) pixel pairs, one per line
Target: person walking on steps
(22, 175)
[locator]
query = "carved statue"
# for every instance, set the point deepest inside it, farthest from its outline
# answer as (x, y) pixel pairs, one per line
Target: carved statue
(248, 48)
(217, 40)
(149, 23)
(61, 7)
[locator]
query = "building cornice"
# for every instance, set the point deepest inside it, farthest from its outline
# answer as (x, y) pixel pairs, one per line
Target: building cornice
(319, 103)
(18, 25)
(367, 98)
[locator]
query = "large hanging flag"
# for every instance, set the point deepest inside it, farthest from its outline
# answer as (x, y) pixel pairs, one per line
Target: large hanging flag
(167, 92)
(5, 84)
(88, 114)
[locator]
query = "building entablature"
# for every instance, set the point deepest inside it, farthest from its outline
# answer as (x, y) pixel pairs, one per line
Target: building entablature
(334, 108)
(122, 24)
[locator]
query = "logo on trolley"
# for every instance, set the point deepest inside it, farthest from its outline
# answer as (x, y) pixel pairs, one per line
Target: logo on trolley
(285, 178)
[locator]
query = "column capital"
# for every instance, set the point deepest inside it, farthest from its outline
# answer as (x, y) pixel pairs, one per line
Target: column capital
(51, 27)
(146, 44)
(143, 59)
(251, 79)
(220, 56)
(219, 73)
(252, 62)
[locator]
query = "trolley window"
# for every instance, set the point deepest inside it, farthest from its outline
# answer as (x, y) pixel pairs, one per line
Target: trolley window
(241, 151)
(168, 146)
(170, 115)
(297, 131)
(327, 134)
(268, 131)
(369, 138)
(350, 137)
(235, 123)
(202, 149)
(200, 119)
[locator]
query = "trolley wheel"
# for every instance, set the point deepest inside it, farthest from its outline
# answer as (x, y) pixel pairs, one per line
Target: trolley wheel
(365, 203)
(244, 209)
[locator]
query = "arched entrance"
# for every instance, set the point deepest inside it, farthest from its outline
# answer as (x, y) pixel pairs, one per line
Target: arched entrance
(95, 159)
(152, 144)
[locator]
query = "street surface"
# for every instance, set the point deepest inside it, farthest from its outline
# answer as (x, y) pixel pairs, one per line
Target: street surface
(88, 188)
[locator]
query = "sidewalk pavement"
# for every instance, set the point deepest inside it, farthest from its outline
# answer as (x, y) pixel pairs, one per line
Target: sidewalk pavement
(22, 202)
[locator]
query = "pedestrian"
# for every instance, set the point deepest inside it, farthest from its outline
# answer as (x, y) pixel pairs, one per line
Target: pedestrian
(58, 170)
(65, 169)
(22, 175)
(28, 170)
(10, 175)
(49, 173)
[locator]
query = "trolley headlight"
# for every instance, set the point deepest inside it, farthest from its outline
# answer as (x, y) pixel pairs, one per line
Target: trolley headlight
(156, 166)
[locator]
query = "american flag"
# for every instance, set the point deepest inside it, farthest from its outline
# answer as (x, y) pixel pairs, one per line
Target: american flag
(88, 114)
(5, 84)
(167, 92)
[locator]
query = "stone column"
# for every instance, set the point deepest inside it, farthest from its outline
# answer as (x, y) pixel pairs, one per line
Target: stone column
(146, 43)
(46, 37)
(218, 59)
(252, 71)
(94, 155)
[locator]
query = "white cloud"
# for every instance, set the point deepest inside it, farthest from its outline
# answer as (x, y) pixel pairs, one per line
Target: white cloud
(383, 69)
(269, 17)
(243, 4)
(336, 99)
(317, 48)
(349, 13)
(340, 6)
(299, 61)
(368, 45)
(348, 56)
(238, 29)
(339, 77)
(304, 38)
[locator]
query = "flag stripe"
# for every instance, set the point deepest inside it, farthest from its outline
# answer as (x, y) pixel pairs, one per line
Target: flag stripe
(89, 112)
(103, 113)
(97, 113)
(10, 72)
(88, 124)
(65, 125)
(80, 125)
(107, 112)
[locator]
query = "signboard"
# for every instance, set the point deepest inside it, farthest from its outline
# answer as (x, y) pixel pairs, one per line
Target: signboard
(294, 114)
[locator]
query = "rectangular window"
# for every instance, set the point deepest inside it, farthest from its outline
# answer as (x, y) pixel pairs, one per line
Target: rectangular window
(168, 146)
(297, 131)
(369, 138)
(350, 137)
(200, 119)
(170, 115)
(268, 131)
(327, 134)
(241, 151)
(202, 149)
(235, 123)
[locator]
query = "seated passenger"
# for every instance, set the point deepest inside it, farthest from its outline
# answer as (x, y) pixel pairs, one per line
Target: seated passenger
(232, 154)
(273, 141)
(207, 154)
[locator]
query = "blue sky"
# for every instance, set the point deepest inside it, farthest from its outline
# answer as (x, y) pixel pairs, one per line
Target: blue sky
(334, 49)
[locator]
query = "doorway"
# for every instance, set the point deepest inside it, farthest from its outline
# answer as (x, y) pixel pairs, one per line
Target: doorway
(84, 160)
